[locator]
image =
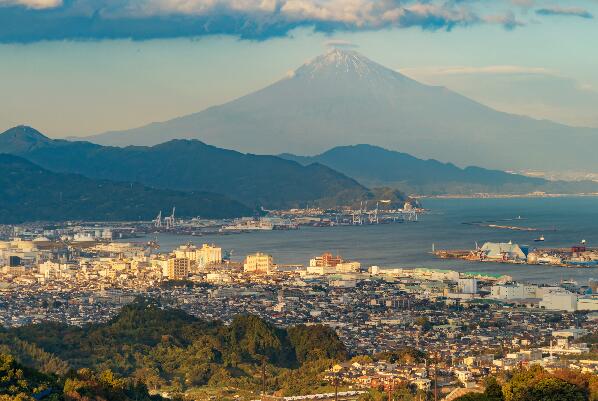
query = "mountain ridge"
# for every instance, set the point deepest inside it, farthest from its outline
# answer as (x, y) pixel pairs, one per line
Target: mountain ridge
(191, 165)
(377, 166)
(29, 192)
(342, 98)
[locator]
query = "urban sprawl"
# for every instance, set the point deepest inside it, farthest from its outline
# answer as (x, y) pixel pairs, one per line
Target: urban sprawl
(470, 324)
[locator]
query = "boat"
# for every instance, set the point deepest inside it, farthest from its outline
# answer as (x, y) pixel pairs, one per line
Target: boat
(540, 239)
(583, 241)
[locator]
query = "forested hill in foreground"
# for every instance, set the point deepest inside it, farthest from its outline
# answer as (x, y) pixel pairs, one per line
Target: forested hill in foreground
(376, 166)
(31, 193)
(191, 165)
(167, 348)
(151, 347)
(22, 383)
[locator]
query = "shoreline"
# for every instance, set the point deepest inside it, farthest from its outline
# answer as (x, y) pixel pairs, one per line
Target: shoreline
(504, 196)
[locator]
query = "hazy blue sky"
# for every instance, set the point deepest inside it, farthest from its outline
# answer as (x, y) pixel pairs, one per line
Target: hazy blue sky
(78, 67)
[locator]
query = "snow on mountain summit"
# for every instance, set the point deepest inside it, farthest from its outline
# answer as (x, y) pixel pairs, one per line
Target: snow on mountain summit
(343, 98)
(346, 62)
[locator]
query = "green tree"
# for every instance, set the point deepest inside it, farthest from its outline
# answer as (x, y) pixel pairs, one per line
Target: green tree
(535, 384)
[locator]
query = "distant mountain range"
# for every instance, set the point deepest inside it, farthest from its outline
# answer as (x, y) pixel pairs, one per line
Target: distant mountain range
(376, 166)
(343, 98)
(190, 165)
(31, 193)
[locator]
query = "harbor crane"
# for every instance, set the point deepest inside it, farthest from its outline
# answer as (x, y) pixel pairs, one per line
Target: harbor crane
(170, 220)
(158, 220)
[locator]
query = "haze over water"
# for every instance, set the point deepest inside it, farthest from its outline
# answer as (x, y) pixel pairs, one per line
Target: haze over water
(410, 244)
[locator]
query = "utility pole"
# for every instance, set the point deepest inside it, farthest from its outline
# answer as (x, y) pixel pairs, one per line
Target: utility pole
(263, 376)
(436, 380)
(335, 386)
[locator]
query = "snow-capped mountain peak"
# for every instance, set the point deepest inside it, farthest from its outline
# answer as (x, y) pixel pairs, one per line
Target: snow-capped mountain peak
(342, 97)
(339, 61)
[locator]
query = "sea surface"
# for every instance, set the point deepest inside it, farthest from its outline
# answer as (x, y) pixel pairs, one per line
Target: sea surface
(562, 221)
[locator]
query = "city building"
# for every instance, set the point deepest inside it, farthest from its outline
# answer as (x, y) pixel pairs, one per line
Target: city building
(178, 268)
(325, 260)
(258, 263)
(209, 255)
(467, 285)
(559, 300)
(514, 291)
(587, 303)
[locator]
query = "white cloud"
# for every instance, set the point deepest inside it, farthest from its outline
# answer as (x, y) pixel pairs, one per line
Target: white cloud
(491, 69)
(355, 14)
(35, 4)
(534, 91)
(248, 19)
(341, 43)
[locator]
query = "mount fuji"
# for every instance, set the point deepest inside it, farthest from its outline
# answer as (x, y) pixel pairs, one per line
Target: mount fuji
(343, 98)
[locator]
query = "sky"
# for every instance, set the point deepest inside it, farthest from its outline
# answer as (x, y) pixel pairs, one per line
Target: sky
(82, 67)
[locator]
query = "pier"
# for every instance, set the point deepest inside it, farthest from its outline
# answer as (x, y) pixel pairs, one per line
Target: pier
(573, 257)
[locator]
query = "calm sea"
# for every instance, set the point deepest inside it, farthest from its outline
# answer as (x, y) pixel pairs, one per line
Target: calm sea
(563, 222)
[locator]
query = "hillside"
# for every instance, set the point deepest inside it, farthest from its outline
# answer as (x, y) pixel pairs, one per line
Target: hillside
(344, 98)
(376, 166)
(22, 383)
(191, 165)
(167, 348)
(31, 193)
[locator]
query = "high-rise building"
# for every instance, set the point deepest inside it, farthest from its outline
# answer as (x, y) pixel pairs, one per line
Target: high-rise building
(209, 255)
(206, 255)
(258, 263)
(178, 268)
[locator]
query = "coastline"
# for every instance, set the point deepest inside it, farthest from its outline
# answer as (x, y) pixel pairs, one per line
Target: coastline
(503, 196)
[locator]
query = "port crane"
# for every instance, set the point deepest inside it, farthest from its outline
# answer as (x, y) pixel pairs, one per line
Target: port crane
(158, 220)
(170, 220)
(363, 215)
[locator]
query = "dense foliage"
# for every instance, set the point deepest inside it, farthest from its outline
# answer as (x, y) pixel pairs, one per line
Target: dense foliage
(19, 383)
(316, 342)
(536, 384)
(167, 348)
(404, 355)
(30, 193)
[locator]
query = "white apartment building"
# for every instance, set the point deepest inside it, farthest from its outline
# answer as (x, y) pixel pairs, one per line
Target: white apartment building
(50, 269)
(258, 263)
(206, 255)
